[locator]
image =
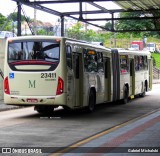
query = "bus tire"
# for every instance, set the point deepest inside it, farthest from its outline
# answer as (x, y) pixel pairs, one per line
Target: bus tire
(91, 102)
(143, 93)
(125, 95)
(44, 109)
(66, 108)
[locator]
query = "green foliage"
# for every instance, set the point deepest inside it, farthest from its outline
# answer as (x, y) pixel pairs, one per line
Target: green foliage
(156, 59)
(2, 19)
(78, 32)
(134, 24)
(2, 22)
(108, 26)
(41, 32)
(44, 32)
(14, 17)
(142, 24)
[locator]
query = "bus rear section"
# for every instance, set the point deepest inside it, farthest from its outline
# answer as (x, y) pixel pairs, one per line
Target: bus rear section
(33, 73)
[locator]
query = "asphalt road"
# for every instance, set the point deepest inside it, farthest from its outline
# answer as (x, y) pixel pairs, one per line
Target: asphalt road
(26, 128)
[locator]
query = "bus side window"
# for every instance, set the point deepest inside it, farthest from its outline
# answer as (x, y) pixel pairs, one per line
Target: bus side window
(69, 56)
(141, 63)
(145, 63)
(92, 65)
(90, 60)
(85, 59)
(136, 63)
(124, 66)
(100, 62)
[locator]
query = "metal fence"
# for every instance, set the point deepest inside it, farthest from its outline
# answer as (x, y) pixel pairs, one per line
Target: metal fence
(156, 73)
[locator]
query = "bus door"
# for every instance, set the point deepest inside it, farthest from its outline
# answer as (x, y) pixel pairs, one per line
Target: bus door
(78, 79)
(150, 73)
(132, 77)
(107, 80)
(116, 74)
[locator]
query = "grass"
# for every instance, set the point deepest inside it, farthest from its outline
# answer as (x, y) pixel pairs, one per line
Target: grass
(126, 42)
(156, 59)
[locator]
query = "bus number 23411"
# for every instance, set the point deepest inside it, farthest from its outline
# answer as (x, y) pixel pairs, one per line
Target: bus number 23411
(48, 75)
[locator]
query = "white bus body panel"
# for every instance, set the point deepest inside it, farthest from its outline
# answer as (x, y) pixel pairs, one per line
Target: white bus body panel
(124, 79)
(140, 77)
(2, 52)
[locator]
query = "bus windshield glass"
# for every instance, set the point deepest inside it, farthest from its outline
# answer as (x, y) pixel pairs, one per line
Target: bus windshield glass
(150, 45)
(30, 52)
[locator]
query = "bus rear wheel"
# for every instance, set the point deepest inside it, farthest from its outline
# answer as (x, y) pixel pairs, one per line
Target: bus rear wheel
(44, 109)
(92, 102)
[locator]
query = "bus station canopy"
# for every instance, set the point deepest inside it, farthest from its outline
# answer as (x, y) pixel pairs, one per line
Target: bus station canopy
(149, 8)
(148, 5)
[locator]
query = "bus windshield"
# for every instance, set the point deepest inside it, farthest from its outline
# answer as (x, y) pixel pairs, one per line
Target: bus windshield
(151, 45)
(33, 52)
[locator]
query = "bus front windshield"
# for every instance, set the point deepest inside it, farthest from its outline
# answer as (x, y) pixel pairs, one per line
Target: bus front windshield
(150, 45)
(33, 52)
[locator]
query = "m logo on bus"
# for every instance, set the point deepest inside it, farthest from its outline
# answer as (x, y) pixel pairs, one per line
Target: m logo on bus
(32, 84)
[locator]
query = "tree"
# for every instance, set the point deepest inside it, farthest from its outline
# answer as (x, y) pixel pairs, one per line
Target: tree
(3, 20)
(44, 32)
(156, 21)
(108, 25)
(133, 24)
(14, 17)
(78, 32)
(142, 24)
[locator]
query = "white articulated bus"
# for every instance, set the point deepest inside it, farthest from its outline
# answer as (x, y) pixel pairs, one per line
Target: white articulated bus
(48, 72)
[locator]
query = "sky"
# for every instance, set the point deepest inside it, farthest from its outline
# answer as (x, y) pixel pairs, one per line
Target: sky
(9, 6)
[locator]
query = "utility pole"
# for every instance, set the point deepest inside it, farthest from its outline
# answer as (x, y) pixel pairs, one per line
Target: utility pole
(19, 19)
(85, 16)
(62, 25)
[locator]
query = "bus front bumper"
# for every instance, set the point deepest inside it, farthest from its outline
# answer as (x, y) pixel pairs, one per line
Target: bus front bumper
(34, 100)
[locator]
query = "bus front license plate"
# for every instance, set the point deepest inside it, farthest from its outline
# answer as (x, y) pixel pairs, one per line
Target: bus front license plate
(32, 100)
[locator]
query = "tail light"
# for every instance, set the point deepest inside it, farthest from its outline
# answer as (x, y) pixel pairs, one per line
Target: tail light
(6, 86)
(60, 86)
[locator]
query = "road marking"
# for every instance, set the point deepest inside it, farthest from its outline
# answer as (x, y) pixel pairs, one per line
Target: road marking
(69, 148)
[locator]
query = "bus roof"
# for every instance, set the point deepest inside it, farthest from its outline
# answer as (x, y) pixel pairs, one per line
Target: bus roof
(134, 52)
(79, 42)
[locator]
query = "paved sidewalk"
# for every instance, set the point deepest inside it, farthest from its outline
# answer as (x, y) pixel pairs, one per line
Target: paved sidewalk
(139, 137)
(4, 107)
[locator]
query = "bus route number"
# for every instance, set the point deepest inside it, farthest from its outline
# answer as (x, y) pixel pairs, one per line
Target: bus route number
(48, 75)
